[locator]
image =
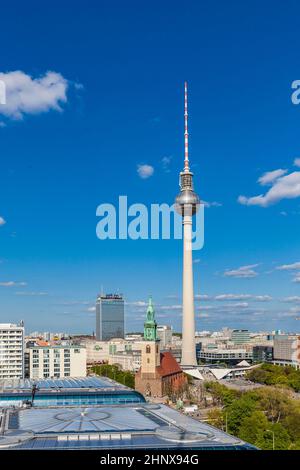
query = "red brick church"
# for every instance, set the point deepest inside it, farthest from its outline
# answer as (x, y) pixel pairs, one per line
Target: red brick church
(160, 373)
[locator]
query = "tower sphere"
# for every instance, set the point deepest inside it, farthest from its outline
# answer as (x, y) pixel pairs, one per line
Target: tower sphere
(187, 202)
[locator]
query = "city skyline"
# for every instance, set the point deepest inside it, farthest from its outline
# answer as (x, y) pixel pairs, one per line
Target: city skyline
(117, 109)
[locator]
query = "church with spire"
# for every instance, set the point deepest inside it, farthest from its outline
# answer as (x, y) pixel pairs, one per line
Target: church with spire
(160, 373)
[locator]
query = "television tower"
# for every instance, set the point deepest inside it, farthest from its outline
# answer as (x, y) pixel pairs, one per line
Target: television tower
(187, 204)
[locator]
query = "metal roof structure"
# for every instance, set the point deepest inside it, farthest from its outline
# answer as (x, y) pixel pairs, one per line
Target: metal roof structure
(93, 390)
(76, 383)
(143, 426)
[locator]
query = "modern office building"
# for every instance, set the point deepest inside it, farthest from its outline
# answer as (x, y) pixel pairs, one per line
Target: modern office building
(240, 336)
(226, 356)
(11, 351)
(109, 317)
(287, 350)
(262, 353)
(164, 334)
(56, 361)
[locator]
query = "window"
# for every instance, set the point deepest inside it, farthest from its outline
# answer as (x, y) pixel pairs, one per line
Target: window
(148, 349)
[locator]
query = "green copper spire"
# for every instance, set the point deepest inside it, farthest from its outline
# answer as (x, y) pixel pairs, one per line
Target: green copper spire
(150, 324)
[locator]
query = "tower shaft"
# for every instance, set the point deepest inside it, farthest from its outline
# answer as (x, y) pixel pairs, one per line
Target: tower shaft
(188, 357)
(187, 204)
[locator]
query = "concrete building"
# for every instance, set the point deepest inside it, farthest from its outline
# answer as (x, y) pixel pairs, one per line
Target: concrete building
(187, 204)
(126, 360)
(56, 361)
(240, 336)
(287, 350)
(11, 351)
(228, 356)
(109, 317)
(97, 352)
(164, 333)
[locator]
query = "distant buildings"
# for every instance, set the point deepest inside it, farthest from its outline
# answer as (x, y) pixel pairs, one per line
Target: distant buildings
(11, 351)
(240, 336)
(44, 362)
(287, 350)
(109, 317)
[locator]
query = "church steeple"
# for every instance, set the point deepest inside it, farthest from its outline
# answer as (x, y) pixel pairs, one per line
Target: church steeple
(150, 325)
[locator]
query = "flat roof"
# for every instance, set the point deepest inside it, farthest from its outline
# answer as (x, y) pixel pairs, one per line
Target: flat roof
(135, 426)
(61, 384)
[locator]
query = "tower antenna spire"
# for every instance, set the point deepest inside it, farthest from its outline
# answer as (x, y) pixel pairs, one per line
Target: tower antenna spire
(186, 133)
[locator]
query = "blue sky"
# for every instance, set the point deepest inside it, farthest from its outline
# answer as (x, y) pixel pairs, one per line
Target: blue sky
(117, 102)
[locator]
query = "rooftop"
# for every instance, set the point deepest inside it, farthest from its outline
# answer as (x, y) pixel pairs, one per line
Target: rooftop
(135, 426)
(62, 384)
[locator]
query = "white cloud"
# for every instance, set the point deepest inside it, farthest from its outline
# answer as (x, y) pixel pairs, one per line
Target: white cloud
(2, 221)
(289, 267)
(284, 187)
(145, 171)
(166, 161)
(208, 204)
(12, 284)
(245, 272)
(203, 297)
(91, 309)
(138, 303)
(28, 95)
(270, 176)
(292, 299)
(297, 278)
(297, 162)
(171, 307)
(258, 298)
(32, 294)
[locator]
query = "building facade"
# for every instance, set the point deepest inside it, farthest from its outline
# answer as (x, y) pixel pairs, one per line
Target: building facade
(262, 353)
(164, 333)
(11, 351)
(240, 336)
(287, 350)
(227, 356)
(110, 321)
(56, 361)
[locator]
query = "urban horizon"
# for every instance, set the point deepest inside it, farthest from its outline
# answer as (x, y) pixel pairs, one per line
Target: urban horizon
(52, 264)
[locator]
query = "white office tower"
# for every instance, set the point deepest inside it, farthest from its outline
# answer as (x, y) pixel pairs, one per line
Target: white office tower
(11, 351)
(187, 204)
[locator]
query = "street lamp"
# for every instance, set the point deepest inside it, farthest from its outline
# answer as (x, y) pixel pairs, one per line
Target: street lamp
(269, 430)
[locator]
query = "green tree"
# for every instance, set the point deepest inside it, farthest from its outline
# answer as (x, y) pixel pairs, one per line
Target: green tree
(215, 418)
(253, 426)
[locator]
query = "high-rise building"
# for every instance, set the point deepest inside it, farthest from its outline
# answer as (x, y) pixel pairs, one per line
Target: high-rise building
(11, 351)
(164, 333)
(187, 203)
(240, 336)
(110, 317)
